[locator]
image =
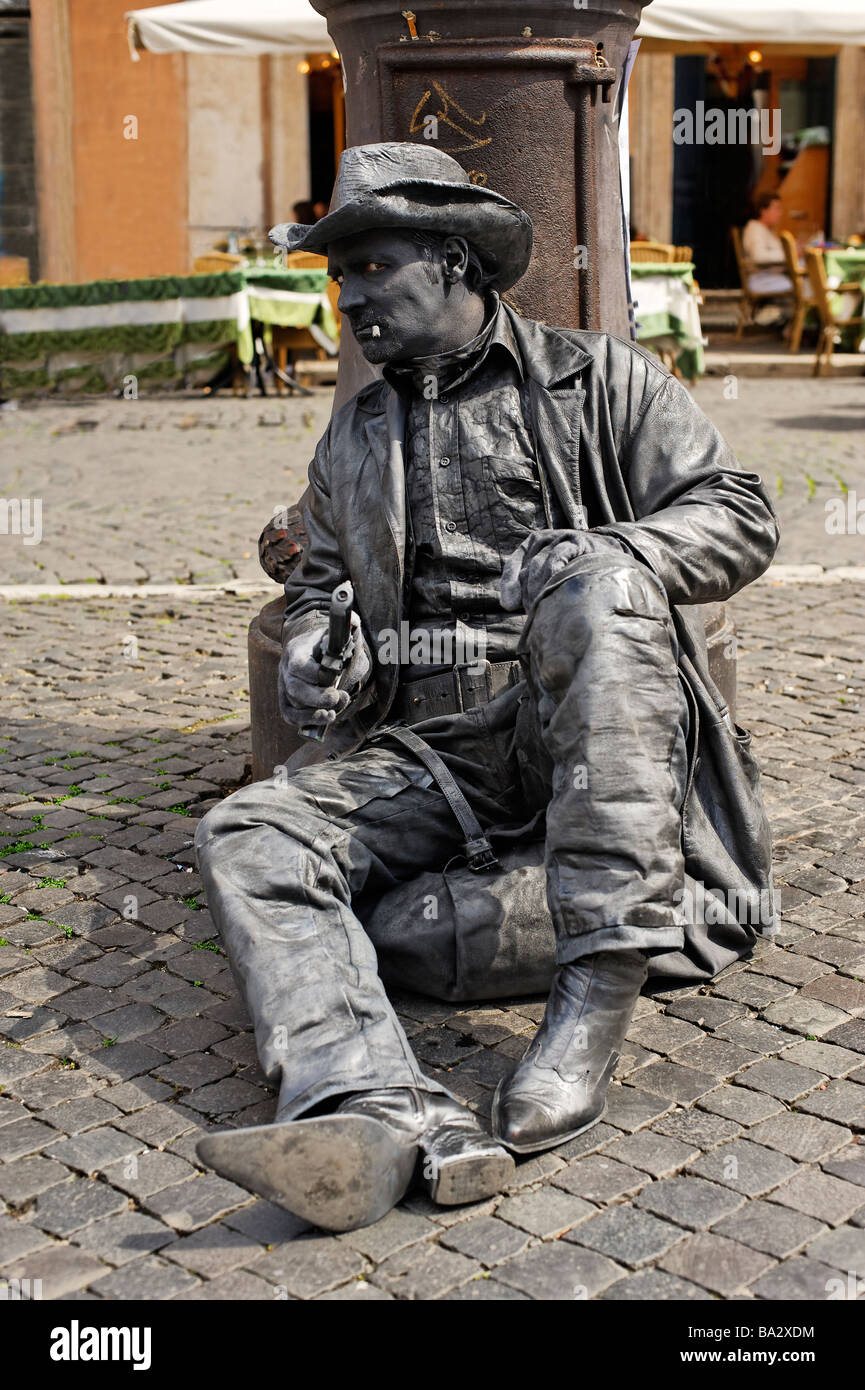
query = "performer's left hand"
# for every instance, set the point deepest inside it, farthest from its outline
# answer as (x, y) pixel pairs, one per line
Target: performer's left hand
(532, 565)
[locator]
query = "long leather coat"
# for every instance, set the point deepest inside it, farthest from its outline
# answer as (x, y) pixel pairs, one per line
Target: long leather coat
(625, 449)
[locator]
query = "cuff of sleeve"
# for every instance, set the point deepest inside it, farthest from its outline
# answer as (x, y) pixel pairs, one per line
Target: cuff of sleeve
(307, 622)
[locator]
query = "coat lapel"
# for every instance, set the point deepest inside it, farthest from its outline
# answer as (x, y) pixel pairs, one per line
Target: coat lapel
(385, 435)
(557, 433)
(553, 365)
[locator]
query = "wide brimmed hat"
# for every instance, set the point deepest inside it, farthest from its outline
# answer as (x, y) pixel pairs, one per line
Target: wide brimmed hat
(418, 188)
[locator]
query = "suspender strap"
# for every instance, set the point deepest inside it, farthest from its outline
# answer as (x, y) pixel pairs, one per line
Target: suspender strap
(479, 851)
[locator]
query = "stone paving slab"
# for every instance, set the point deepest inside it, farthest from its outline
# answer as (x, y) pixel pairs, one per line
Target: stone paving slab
(729, 1162)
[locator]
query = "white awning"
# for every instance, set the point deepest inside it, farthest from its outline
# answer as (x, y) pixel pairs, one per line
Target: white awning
(240, 28)
(755, 21)
(248, 27)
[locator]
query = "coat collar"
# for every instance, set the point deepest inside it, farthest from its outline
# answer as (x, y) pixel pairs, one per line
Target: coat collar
(549, 357)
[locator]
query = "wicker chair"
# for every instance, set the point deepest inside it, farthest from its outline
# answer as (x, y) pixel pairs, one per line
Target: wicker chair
(804, 294)
(751, 299)
(643, 251)
(297, 341)
(830, 326)
(214, 262)
(304, 260)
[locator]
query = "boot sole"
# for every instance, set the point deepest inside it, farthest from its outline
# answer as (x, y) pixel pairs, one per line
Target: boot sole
(542, 1144)
(463, 1178)
(338, 1172)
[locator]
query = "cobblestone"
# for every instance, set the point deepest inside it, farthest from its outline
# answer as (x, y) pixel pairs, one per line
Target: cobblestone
(715, 1263)
(61, 1269)
(841, 1101)
(147, 1278)
(799, 1279)
(630, 1237)
(822, 1195)
(689, 1201)
(71, 1205)
(546, 1213)
(655, 1285)
(561, 1272)
(125, 1237)
(657, 1154)
(773, 1229)
(748, 1168)
(801, 1136)
(600, 1179)
(485, 1239)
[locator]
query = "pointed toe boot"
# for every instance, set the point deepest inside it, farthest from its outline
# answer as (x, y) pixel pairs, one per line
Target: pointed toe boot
(559, 1088)
(348, 1169)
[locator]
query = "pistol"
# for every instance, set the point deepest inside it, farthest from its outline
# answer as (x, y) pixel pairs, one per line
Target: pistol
(337, 651)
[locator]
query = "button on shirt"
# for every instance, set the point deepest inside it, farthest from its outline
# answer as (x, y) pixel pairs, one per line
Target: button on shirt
(474, 494)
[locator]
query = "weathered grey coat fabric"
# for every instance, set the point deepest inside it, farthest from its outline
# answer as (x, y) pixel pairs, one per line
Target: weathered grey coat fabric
(626, 451)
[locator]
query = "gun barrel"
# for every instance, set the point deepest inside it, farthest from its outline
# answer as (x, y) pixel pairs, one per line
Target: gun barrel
(337, 649)
(339, 621)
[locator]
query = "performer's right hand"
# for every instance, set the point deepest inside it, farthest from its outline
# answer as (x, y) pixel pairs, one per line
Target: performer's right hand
(301, 699)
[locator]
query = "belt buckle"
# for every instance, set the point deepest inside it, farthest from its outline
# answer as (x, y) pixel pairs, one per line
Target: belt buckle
(468, 683)
(479, 853)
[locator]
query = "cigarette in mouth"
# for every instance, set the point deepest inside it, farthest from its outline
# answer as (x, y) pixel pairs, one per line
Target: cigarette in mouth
(375, 331)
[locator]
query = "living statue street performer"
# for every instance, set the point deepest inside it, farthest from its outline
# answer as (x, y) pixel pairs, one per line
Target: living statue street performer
(541, 511)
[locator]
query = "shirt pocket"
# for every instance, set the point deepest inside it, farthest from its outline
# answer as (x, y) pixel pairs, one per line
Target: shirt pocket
(515, 500)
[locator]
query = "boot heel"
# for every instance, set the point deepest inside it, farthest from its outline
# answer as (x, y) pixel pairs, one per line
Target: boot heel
(459, 1178)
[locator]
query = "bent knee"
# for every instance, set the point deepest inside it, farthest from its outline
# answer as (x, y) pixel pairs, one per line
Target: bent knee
(616, 582)
(261, 803)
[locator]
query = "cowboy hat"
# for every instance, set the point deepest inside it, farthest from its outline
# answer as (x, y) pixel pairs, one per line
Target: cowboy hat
(421, 189)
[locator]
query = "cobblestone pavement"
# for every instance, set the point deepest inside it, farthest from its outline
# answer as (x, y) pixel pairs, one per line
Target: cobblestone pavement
(177, 491)
(730, 1161)
(153, 491)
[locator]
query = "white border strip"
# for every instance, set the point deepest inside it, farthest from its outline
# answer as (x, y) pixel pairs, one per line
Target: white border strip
(127, 312)
(813, 574)
(21, 593)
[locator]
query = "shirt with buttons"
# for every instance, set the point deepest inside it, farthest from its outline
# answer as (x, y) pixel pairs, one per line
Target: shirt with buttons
(474, 494)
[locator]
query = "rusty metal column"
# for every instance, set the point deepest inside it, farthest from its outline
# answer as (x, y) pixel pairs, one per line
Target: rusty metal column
(522, 96)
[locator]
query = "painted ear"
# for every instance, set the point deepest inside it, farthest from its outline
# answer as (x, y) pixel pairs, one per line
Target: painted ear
(456, 257)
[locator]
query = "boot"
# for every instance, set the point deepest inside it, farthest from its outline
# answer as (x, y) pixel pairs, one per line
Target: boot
(457, 1160)
(559, 1088)
(348, 1169)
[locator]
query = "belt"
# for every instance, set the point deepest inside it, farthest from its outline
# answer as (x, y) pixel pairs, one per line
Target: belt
(455, 690)
(478, 850)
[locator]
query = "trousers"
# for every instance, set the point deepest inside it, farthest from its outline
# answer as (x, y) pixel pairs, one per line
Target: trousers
(595, 737)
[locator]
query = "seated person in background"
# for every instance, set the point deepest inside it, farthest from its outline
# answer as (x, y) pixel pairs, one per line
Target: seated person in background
(764, 250)
(304, 213)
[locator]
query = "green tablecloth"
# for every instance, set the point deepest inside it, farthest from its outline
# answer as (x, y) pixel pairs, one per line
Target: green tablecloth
(667, 312)
(843, 266)
(290, 299)
(101, 334)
